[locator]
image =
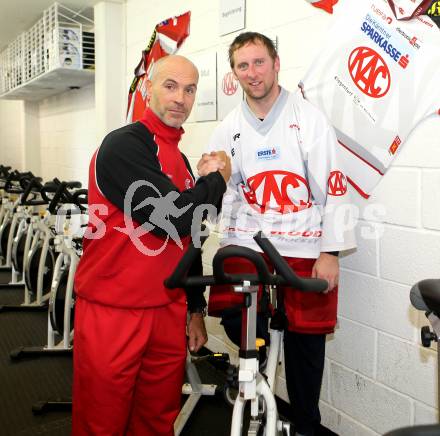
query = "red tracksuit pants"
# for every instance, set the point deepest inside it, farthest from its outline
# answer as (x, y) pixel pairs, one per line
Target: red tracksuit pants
(128, 369)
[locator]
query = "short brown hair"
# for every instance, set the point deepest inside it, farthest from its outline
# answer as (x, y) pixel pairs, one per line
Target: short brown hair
(251, 37)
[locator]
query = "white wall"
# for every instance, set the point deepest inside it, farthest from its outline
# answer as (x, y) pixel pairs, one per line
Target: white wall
(57, 136)
(68, 134)
(11, 133)
(377, 376)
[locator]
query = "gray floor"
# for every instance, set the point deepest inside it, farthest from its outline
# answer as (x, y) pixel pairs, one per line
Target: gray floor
(29, 381)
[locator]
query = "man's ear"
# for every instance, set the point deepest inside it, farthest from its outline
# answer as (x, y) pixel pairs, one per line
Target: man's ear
(149, 89)
(277, 64)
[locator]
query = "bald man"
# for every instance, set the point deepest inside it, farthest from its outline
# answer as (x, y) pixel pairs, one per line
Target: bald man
(130, 331)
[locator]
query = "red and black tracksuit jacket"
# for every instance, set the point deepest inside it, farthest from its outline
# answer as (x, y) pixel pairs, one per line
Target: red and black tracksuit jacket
(112, 270)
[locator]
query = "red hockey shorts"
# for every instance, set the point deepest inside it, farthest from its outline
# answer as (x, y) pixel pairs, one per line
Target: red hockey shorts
(128, 369)
(306, 312)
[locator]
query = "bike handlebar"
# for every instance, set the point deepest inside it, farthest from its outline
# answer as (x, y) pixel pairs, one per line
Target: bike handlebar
(21, 178)
(80, 196)
(283, 268)
(4, 171)
(61, 194)
(35, 185)
(284, 274)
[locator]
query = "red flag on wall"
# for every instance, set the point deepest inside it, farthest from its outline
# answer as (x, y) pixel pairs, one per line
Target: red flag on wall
(327, 5)
(167, 37)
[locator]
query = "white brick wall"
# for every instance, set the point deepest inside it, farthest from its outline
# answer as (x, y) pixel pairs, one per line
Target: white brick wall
(409, 255)
(396, 361)
(353, 345)
(67, 134)
(367, 401)
(424, 414)
(377, 377)
(11, 133)
(430, 199)
(377, 303)
(400, 193)
(341, 423)
(364, 258)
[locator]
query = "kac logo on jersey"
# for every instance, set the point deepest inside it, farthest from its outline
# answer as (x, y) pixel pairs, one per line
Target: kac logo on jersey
(229, 84)
(271, 153)
(337, 184)
(279, 191)
(369, 72)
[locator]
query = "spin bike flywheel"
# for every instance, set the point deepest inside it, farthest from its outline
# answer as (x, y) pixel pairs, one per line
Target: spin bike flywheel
(18, 253)
(57, 303)
(31, 276)
(4, 239)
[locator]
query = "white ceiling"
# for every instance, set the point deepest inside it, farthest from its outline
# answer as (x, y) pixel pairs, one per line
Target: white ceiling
(17, 16)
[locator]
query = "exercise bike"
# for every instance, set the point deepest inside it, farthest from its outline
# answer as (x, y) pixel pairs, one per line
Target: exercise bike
(57, 282)
(254, 386)
(425, 296)
(15, 184)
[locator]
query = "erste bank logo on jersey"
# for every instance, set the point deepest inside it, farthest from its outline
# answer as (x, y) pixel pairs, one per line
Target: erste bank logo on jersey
(268, 153)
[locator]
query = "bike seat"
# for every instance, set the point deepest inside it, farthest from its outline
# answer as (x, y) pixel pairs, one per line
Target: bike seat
(419, 430)
(425, 295)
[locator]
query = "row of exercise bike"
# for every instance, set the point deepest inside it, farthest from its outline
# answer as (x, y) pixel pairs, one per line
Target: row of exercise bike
(41, 230)
(41, 243)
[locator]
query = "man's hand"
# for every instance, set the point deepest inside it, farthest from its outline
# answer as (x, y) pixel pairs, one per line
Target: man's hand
(209, 163)
(226, 170)
(215, 161)
(197, 336)
(327, 267)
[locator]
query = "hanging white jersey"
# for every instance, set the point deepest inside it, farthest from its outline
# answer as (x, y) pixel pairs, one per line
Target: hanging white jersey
(402, 9)
(285, 180)
(406, 9)
(375, 78)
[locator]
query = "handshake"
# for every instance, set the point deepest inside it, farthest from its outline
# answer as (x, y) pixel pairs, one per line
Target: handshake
(215, 161)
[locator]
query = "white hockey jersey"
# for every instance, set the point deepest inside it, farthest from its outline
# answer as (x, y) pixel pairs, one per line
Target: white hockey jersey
(285, 180)
(375, 78)
(406, 9)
